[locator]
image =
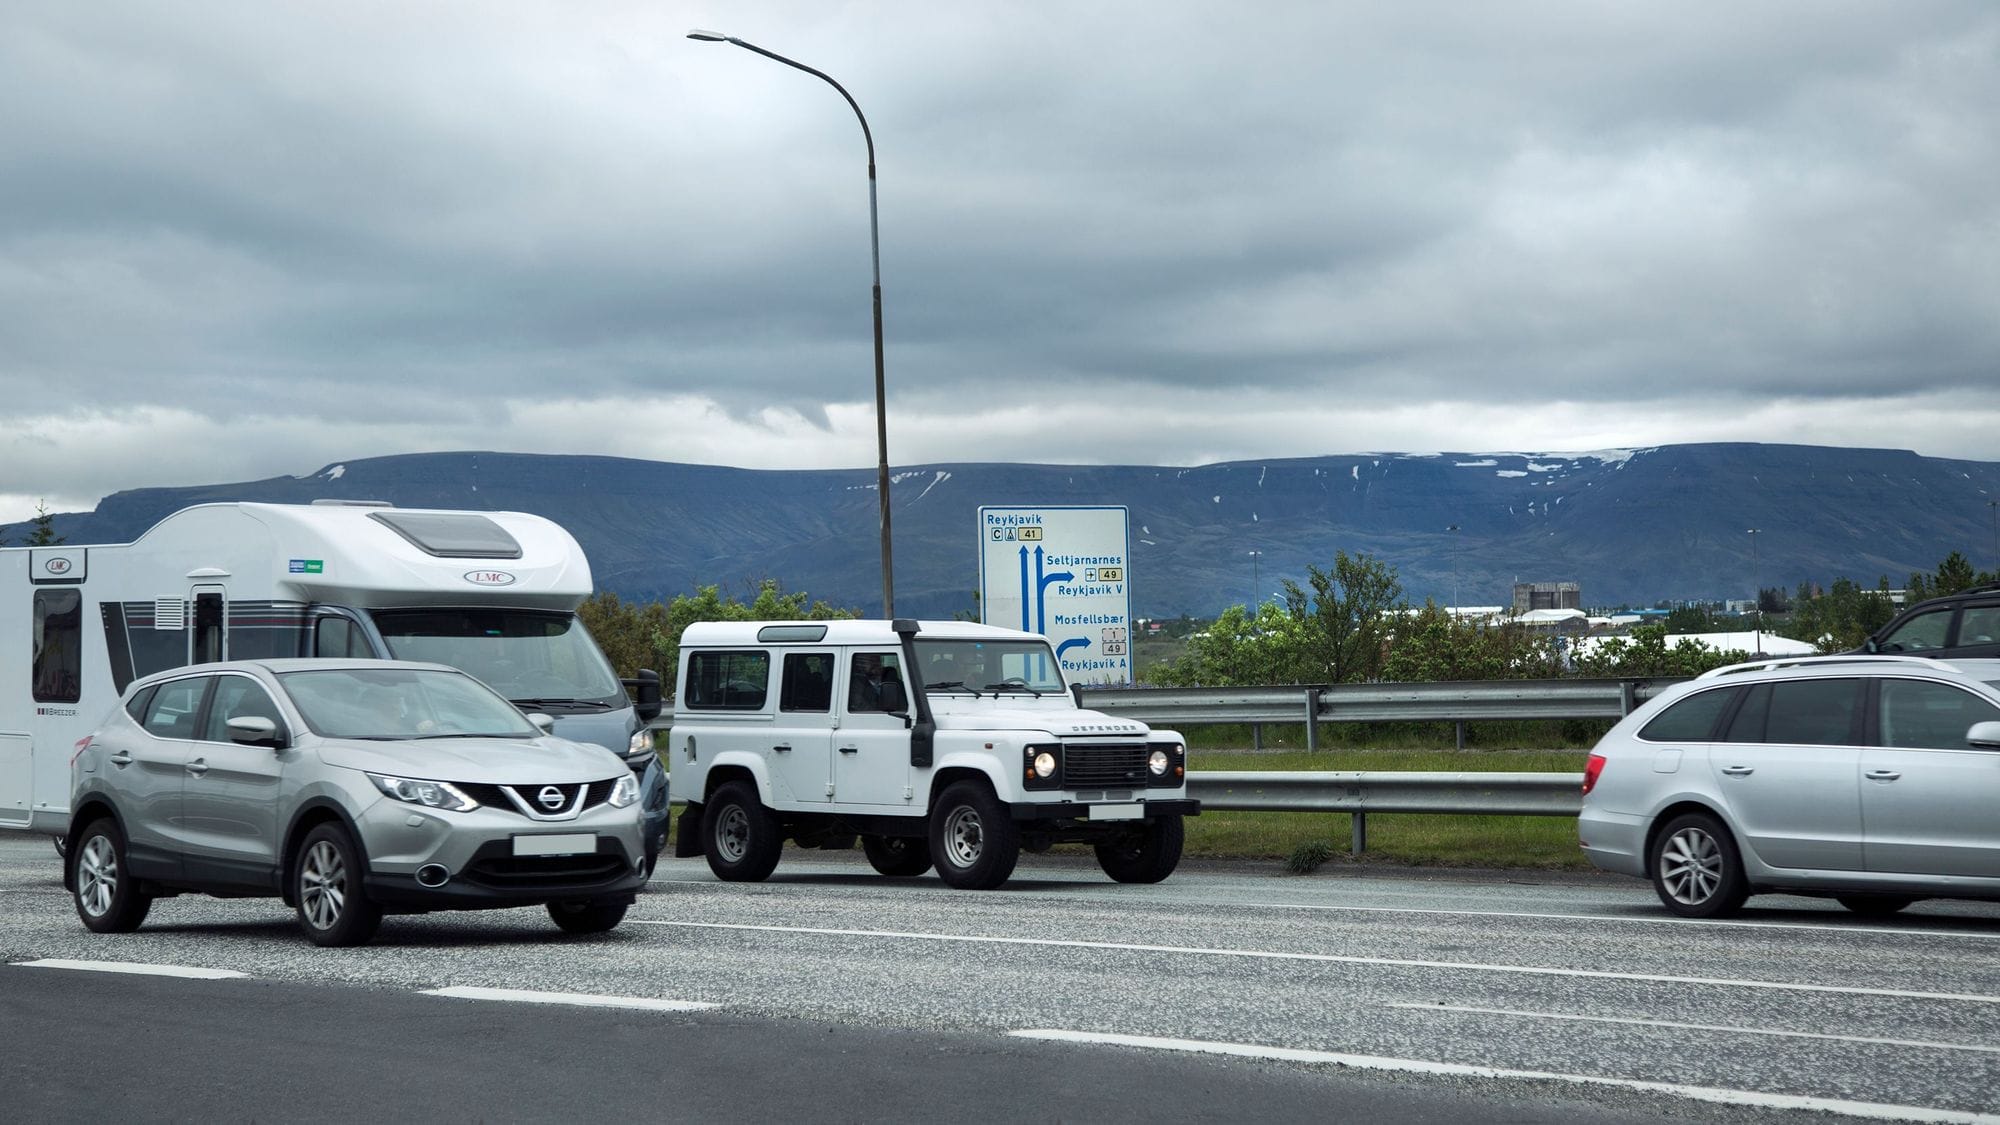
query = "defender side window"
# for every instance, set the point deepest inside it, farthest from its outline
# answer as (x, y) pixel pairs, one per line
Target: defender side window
(875, 682)
(808, 684)
(727, 681)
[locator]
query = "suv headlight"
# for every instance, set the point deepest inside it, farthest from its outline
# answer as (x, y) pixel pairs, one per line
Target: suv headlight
(1166, 765)
(641, 741)
(625, 792)
(430, 794)
(1158, 762)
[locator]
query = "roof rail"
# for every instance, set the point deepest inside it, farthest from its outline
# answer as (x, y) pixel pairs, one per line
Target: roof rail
(1841, 658)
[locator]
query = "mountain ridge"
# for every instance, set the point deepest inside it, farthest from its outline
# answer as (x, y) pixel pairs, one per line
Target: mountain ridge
(1630, 526)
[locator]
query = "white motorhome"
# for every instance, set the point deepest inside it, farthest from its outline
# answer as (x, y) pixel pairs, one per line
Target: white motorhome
(492, 593)
(941, 744)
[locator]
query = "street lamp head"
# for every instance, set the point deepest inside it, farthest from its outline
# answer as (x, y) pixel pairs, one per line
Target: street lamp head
(708, 36)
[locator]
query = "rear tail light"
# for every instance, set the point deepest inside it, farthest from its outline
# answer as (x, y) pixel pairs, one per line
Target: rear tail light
(1591, 769)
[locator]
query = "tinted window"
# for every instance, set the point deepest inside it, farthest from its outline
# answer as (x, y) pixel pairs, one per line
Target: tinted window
(238, 696)
(1813, 712)
(808, 682)
(1980, 625)
(875, 682)
(1922, 715)
(452, 535)
(1691, 720)
(174, 706)
(338, 636)
(1748, 725)
(136, 706)
(1925, 630)
(58, 637)
(727, 681)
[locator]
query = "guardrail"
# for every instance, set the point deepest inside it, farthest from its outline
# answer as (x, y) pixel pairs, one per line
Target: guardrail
(1456, 701)
(1387, 791)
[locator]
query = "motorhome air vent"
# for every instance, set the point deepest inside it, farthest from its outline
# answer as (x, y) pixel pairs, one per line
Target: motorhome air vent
(451, 535)
(169, 613)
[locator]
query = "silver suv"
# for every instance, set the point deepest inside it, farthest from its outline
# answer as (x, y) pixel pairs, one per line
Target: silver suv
(350, 788)
(1870, 779)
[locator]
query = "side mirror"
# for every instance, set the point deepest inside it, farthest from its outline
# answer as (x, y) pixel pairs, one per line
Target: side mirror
(1983, 736)
(1870, 646)
(646, 694)
(256, 730)
(546, 722)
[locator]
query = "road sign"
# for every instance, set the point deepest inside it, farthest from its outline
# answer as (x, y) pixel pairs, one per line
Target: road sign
(1061, 572)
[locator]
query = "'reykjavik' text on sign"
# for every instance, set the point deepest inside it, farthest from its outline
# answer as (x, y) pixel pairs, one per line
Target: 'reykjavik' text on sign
(1062, 572)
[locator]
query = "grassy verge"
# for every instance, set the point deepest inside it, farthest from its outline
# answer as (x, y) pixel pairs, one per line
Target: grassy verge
(1544, 842)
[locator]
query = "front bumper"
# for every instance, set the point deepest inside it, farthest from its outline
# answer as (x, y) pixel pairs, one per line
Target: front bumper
(476, 850)
(1080, 811)
(494, 876)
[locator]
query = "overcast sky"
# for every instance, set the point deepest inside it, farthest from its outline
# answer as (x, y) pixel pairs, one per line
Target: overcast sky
(239, 240)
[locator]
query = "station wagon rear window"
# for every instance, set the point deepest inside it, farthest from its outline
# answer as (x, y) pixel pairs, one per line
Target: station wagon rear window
(451, 535)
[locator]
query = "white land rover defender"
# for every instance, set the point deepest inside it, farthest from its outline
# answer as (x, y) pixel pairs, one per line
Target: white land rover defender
(934, 742)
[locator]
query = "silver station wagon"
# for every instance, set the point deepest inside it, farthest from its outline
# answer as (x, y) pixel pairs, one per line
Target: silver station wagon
(351, 788)
(1871, 779)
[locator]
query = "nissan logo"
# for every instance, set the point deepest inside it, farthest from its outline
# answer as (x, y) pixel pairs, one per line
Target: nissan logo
(489, 578)
(550, 797)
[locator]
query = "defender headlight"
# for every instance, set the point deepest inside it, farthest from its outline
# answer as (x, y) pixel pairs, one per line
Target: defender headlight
(430, 794)
(625, 792)
(1045, 764)
(1157, 762)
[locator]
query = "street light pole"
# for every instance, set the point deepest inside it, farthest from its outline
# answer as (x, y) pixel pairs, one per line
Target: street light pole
(1756, 605)
(875, 256)
(1256, 583)
(1994, 507)
(1454, 569)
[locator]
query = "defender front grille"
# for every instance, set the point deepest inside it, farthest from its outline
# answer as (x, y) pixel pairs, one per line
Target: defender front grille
(1104, 767)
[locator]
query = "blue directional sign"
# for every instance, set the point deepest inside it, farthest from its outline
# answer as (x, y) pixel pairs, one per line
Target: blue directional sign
(1062, 572)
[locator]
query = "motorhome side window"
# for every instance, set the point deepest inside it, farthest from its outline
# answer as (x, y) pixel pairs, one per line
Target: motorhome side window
(727, 681)
(337, 636)
(58, 629)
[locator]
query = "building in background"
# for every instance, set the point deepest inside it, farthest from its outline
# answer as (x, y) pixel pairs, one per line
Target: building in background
(1531, 596)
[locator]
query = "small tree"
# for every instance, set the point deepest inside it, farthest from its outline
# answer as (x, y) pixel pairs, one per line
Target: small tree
(1344, 624)
(44, 524)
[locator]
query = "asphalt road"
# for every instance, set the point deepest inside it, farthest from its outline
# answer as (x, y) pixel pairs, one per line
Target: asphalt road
(1230, 990)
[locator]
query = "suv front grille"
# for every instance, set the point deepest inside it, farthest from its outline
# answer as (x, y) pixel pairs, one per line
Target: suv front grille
(519, 872)
(1104, 767)
(498, 797)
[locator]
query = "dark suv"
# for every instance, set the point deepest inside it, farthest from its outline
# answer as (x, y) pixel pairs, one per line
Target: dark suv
(1965, 624)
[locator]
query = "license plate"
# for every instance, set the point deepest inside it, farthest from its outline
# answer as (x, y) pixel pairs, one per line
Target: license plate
(1117, 812)
(574, 843)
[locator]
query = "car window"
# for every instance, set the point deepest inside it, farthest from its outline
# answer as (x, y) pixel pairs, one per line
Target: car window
(1979, 625)
(390, 704)
(1690, 720)
(1925, 630)
(808, 682)
(875, 682)
(1747, 725)
(238, 696)
(727, 681)
(136, 706)
(1919, 714)
(174, 706)
(1813, 712)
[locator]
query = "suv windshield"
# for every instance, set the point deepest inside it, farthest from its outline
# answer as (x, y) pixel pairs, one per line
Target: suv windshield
(536, 658)
(402, 703)
(988, 666)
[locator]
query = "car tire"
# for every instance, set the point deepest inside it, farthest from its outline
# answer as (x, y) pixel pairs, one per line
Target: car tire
(1874, 906)
(333, 907)
(1697, 870)
(899, 857)
(1146, 856)
(586, 917)
(742, 839)
(974, 843)
(108, 898)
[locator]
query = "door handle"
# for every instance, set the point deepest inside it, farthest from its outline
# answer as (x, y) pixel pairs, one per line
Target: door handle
(1884, 775)
(781, 749)
(121, 758)
(197, 767)
(850, 749)
(1739, 771)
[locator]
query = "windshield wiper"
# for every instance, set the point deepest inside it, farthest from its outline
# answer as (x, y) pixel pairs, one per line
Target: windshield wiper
(589, 706)
(943, 684)
(1013, 685)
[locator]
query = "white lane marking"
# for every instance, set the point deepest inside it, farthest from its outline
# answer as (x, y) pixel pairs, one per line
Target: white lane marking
(1340, 959)
(574, 999)
(1876, 1110)
(1718, 923)
(134, 968)
(1927, 1044)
